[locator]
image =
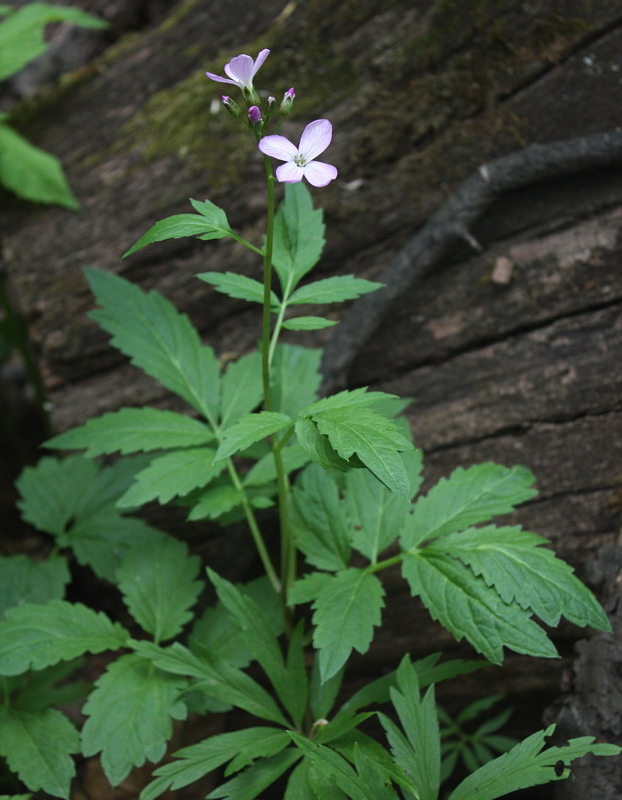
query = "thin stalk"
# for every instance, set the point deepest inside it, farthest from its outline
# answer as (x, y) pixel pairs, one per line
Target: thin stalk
(246, 243)
(388, 562)
(267, 289)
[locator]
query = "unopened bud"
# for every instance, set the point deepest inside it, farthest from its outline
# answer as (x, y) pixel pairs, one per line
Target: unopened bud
(254, 115)
(232, 107)
(288, 101)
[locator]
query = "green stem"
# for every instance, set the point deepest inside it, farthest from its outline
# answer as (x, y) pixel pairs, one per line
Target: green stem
(246, 243)
(267, 289)
(388, 562)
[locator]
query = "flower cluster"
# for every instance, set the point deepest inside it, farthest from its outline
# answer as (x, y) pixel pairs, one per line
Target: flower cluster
(299, 161)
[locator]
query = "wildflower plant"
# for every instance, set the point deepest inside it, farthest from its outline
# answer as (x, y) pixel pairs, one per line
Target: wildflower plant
(344, 475)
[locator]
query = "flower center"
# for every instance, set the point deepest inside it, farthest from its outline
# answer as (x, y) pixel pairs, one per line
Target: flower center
(300, 160)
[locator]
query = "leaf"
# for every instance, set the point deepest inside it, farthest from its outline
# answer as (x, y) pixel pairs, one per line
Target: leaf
(239, 286)
(158, 339)
(213, 214)
(318, 520)
(178, 226)
(250, 429)
(50, 687)
(131, 430)
(295, 377)
(159, 586)
(298, 236)
(346, 609)
(170, 475)
(349, 398)
(36, 636)
(215, 502)
(23, 580)
(242, 388)
(264, 471)
(527, 764)
(130, 715)
(308, 323)
(466, 606)
(250, 783)
(21, 33)
(374, 439)
(199, 759)
(524, 572)
(333, 290)
(466, 498)
(317, 447)
(30, 172)
(37, 746)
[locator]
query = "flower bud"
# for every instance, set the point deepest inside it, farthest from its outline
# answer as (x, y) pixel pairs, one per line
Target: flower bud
(254, 115)
(232, 107)
(288, 101)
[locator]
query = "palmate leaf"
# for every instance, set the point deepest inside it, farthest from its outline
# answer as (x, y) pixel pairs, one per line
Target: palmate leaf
(159, 585)
(158, 339)
(347, 607)
(195, 761)
(23, 580)
(523, 571)
(38, 745)
(250, 429)
(527, 764)
(466, 498)
(466, 606)
(37, 636)
(239, 286)
(298, 236)
(133, 430)
(308, 323)
(333, 290)
(130, 715)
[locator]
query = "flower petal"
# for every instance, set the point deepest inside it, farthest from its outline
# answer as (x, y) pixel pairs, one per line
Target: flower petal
(315, 138)
(289, 173)
(319, 174)
(278, 147)
(240, 69)
(259, 60)
(219, 79)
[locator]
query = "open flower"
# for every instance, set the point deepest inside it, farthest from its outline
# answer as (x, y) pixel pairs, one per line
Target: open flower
(241, 70)
(299, 161)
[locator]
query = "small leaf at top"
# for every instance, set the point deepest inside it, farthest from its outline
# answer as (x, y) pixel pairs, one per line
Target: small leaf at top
(333, 290)
(308, 323)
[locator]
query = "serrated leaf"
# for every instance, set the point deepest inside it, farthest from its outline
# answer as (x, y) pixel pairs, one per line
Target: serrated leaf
(170, 475)
(523, 571)
(373, 438)
(199, 759)
(263, 773)
(295, 377)
(50, 687)
(130, 715)
(348, 398)
(347, 608)
(178, 226)
(37, 746)
(298, 236)
(36, 636)
(30, 172)
(317, 446)
(239, 286)
(466, 606)
(215, 502)
(527, 764)
(467, 497)
(132, 430)
(158, 339)
(23, 580)
(212, 213)
(333, 290)
(318, 520)
(250, 429)
(242, 388)
(308, 323)
(159, 585)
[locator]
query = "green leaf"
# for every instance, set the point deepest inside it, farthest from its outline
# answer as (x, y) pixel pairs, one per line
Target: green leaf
(158, 339)
(239, 286)
(250, 429)
(199, 759)
(21, 33)
(159, 586)
(131, 430)
(527, 764)
(264, 471)
(333, 290)
(36, 636)
(375, 440)
(170, 475)
(308, 323)
(466, 498)
(29, 692)
(375, 514)
(215, 502)
(346, 609)
(349, 398)
(466, 606)
(177, 227)
(250, 783)
(30, 172)
(130, 715)
(318, 520)
(37, 746)
(317, 446)
(298, 236)
(242, 388)
(23, 580)
(295, 377)
(524, 572)
(295, 690)
(214, 215)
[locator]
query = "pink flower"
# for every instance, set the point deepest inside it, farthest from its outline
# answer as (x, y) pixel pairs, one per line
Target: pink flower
(299, 161)
(241, 70)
